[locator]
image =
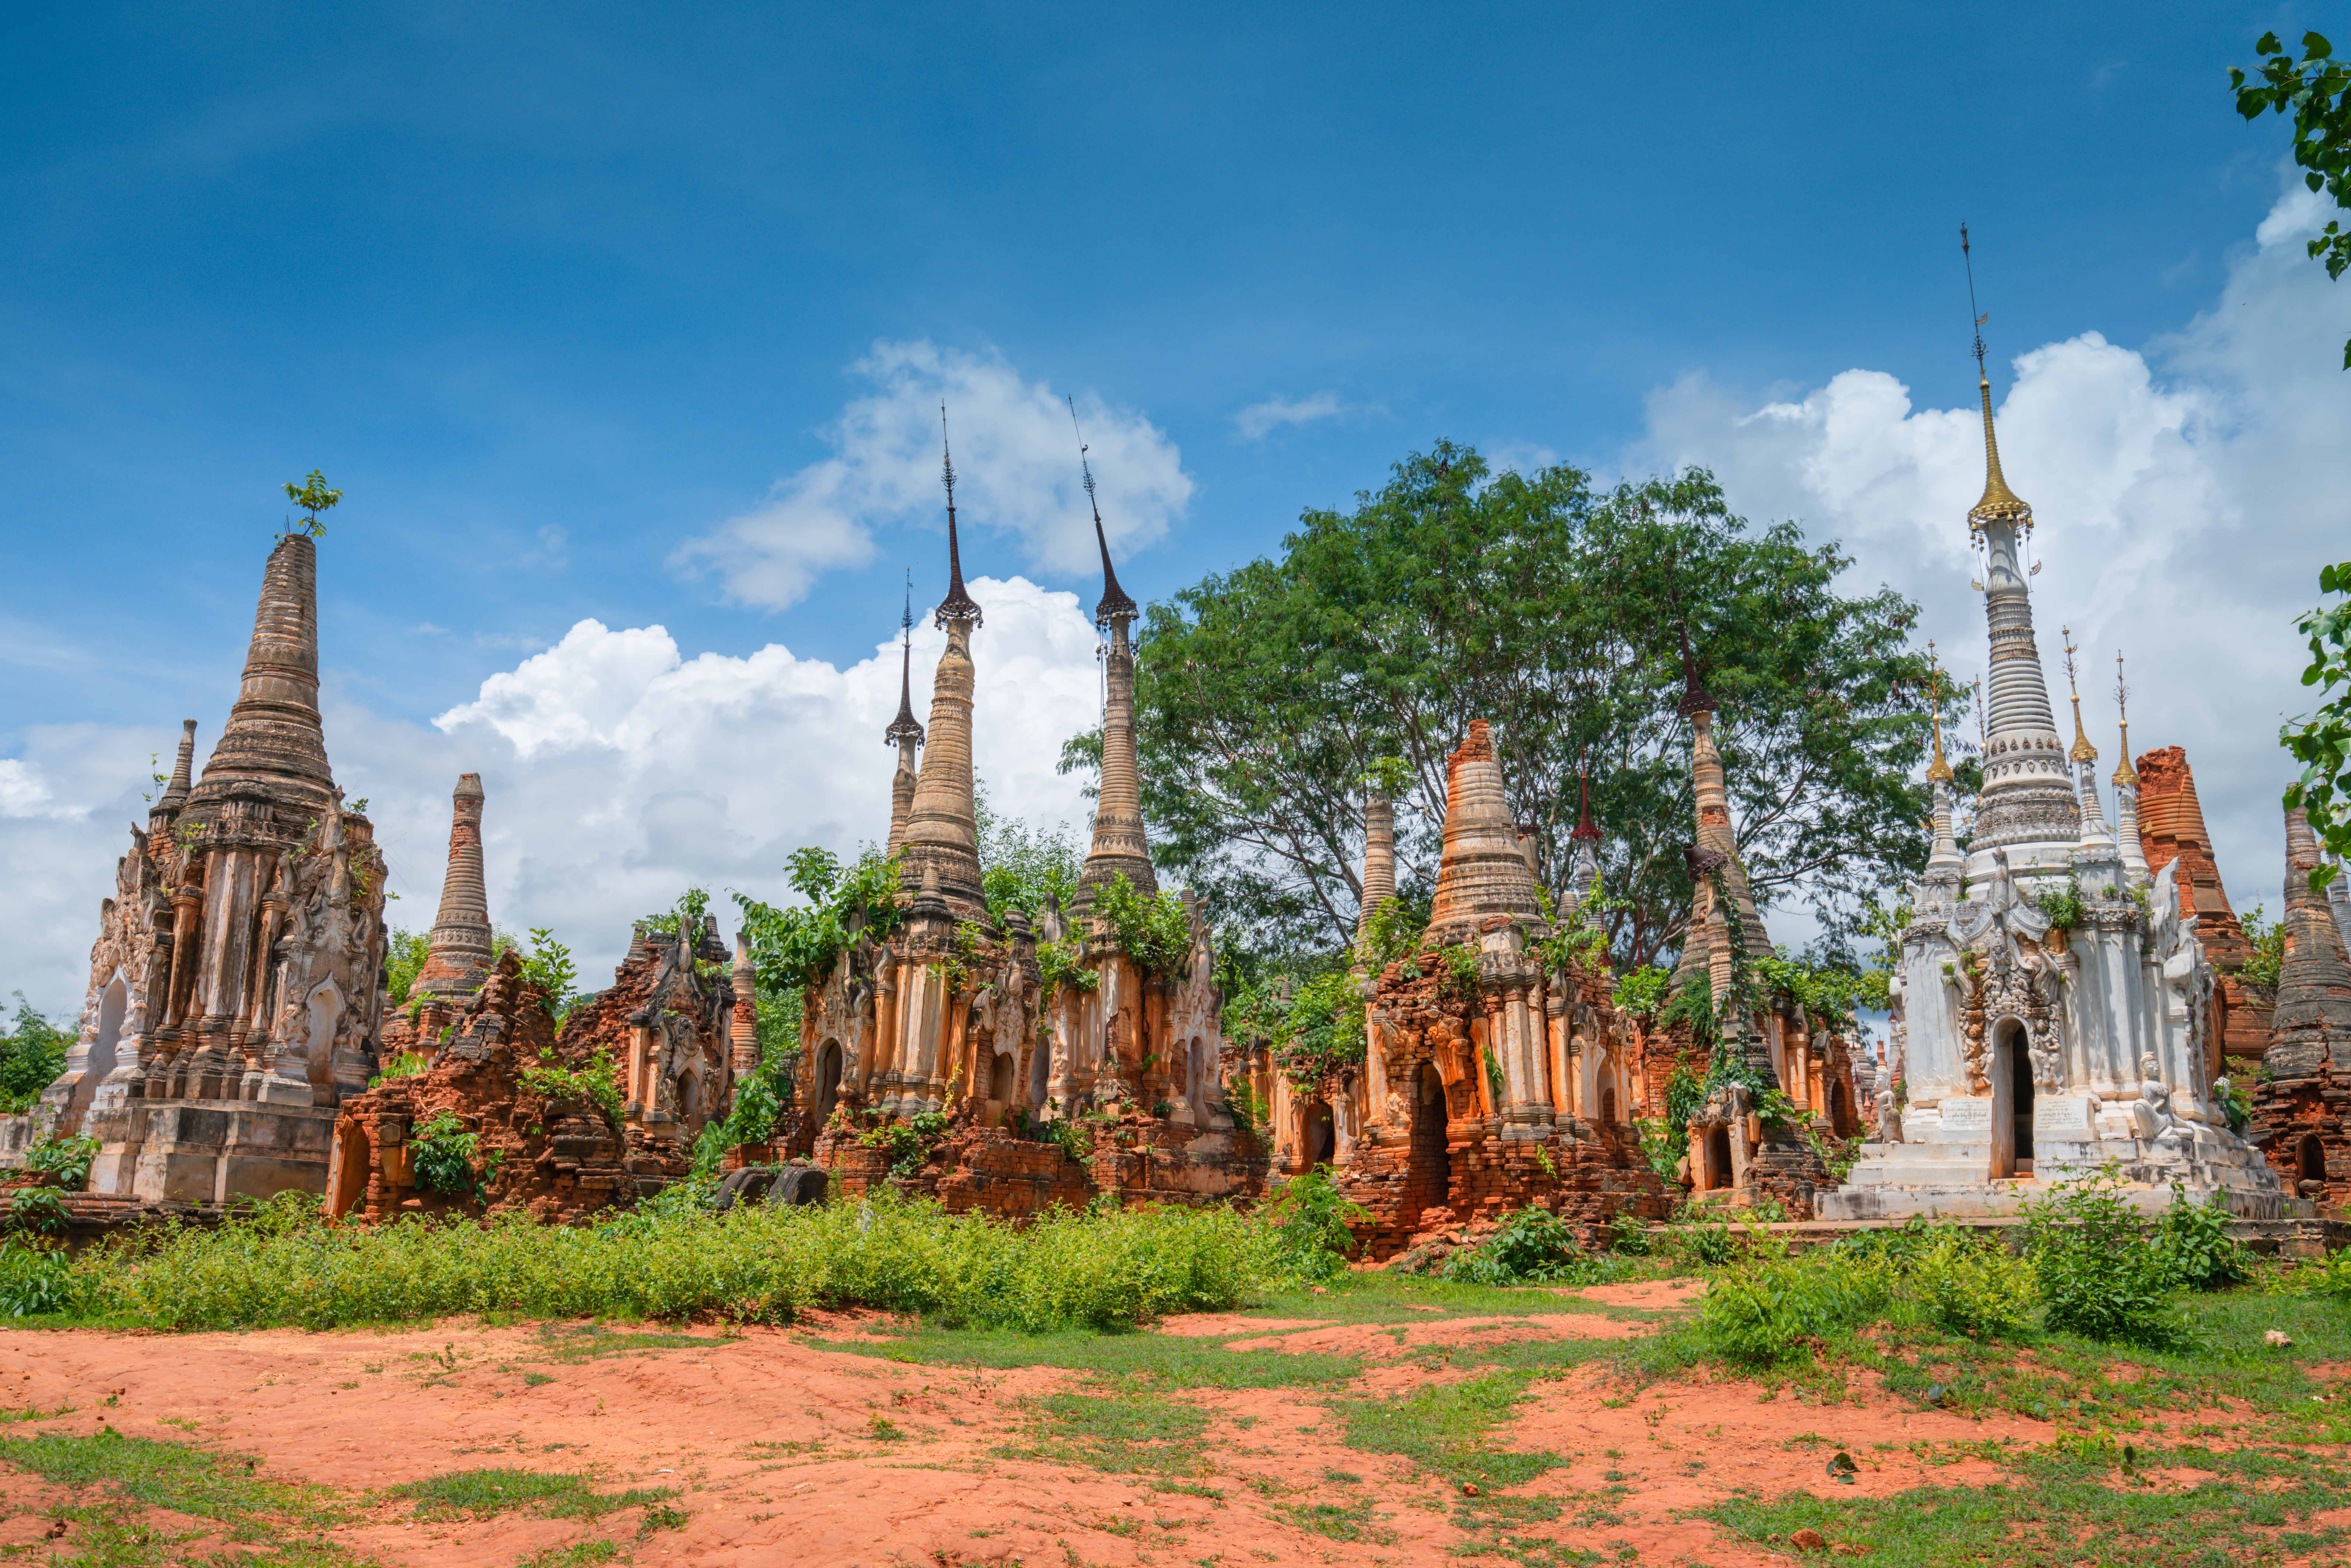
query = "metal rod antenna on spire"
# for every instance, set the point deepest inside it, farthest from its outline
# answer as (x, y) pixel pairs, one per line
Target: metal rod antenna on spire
(947, 467)
(1967, 259)
(1084, 468)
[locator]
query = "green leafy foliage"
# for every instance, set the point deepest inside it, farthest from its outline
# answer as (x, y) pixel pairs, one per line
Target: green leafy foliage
(2322, 742)
(2267, 938)
(286, 1265)
(67, 1159)
(314, 498)
(1313, 1031)
(1310, 1219)
(1059, 964)
(593, 1084)
(2317, 89)
(908, 1140)
(403, 958)
(1264, 695)
(1026, 865)
(32, 1054)
(2098, 1276)
(2192, 1242)
(2061, 905)
(1531, 1246)
(687, 912)
(1829, 992)
(444, 1155)
(1155, 932)
(548, 966)
(1392, 933)
(793, 946)
(1643, 991)
(36, 1278)
(402, 1064)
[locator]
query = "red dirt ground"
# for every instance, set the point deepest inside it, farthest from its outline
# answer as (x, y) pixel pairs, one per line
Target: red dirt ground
(770, 1441)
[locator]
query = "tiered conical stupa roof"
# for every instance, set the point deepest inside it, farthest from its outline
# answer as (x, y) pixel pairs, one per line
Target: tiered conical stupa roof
(942, 839)
(1120, 847)
(458, 959)
(272, 744)
(2310, 1027)
(2171, 827)
(1482, 872)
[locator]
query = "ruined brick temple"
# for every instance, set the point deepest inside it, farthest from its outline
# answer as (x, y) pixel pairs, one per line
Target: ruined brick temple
(236, 985)
(950, 1013)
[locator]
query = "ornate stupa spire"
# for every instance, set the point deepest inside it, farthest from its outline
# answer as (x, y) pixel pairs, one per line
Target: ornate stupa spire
(2029, 805)
(1944, 862)
(458, 958)
(176, 793)
(272, 744)
(2126, 783)
(2310, 1029)
(2084, 755)
(941, 843)
(1583, 866)
(1706, 948)
(905, 732)
(957, 605)
(1119, 844)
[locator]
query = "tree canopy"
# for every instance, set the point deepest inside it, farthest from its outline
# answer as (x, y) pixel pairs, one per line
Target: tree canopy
(1555, 611)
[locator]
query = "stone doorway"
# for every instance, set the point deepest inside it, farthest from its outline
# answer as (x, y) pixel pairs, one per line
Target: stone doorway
(828, 1080)
(353, 1161)
(1717, 1157)
(1000, 1078)
(1318, 1136)
(1840, 1110)
(2011, 1101)
(1428, 1164)
(2310, 1160)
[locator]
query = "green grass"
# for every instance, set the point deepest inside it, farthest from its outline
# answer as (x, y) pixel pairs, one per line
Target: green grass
(480, 1494)
(1340, 1521)
(280, 1265)
(1172, 1360)
(1446, 1431)
(114, 1478)
(594, 1341)
(1120, 1434)
(2079, 1511)
(1385, 1297)
(579, 1555)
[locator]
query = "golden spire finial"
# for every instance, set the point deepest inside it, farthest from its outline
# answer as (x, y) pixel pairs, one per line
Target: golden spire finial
(1939, 771)
(2125, 774)
(2082, 750)
(2000, 503)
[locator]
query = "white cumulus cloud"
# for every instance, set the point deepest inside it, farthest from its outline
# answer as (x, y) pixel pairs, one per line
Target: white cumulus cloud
(1016, 476)
(2185, 494)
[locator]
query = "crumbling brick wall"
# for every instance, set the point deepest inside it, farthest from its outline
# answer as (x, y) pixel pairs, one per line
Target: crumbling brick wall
(557, 1161)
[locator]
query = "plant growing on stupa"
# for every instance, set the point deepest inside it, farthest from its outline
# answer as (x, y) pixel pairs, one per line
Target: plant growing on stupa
(314, 498)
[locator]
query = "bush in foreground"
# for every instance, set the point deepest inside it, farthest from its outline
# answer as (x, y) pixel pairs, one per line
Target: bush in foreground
(1105, 1269)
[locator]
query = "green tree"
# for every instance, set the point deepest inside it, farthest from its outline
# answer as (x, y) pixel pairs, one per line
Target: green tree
(1552, 609)
(31, 1056)
(313, 496)
(2317, 89)
(2322, 742)
(403, 959)
(1025, 864)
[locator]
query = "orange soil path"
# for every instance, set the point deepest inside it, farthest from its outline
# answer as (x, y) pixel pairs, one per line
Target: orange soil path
(770, 1441)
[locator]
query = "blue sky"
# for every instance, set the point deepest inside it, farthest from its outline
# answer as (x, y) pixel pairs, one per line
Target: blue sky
(554, 292)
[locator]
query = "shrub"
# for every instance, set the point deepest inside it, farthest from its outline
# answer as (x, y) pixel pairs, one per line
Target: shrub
(589, 1085)
(68, 1159)
(1763, 1315)
(443, 1155)
(2099, 1276)
(34, 1278)
(1533, 1246)
(2192, 1241)
(282, 1265)
(31, 1057)
(402, 1064)
(1973, 1286)
(1309, 1221)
